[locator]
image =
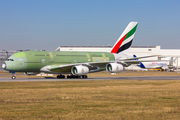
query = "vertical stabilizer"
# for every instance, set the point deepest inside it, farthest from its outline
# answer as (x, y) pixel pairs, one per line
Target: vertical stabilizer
(125, 40)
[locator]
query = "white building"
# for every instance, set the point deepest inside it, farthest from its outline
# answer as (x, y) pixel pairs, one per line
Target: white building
(134, 50)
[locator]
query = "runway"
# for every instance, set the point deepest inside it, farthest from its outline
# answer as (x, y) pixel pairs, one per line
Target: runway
(92, 78)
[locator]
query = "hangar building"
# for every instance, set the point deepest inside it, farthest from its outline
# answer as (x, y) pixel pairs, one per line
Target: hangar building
(134, 50)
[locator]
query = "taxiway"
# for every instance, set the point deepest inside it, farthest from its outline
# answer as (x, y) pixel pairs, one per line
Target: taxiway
(92, 78)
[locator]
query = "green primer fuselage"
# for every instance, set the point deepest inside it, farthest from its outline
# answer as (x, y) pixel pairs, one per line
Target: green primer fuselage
(33, 61)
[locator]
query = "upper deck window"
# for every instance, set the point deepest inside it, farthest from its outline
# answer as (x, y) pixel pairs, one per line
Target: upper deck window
(39, 55)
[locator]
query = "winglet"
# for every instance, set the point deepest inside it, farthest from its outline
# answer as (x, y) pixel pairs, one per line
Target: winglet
(125, 40)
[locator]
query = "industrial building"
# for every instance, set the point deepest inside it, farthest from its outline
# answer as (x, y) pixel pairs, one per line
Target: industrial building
(134, 50)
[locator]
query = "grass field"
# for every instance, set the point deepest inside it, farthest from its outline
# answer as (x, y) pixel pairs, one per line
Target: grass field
(90, 100)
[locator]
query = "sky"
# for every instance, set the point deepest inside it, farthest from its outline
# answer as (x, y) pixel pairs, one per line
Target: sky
(48, 24)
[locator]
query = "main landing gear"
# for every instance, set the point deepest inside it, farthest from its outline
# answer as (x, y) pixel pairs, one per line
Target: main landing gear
(75, 76)
(60, 76)
(72, 76)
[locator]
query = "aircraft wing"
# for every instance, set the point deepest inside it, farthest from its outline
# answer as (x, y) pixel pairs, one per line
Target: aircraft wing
(135, 58)
(126, 63)
(93, 67)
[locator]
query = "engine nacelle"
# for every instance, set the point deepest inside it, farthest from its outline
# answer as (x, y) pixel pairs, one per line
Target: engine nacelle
(114, 68)
(79, 70)
(31, 73)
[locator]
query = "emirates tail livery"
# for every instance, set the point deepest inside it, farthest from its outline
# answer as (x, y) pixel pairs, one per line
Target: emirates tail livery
(74, 64)
(125, 40)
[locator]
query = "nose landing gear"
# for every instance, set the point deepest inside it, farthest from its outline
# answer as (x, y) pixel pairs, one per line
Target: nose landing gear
(13, 75)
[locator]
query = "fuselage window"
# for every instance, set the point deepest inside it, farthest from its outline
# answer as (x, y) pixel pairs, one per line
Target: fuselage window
(10, 60)
(39, 55)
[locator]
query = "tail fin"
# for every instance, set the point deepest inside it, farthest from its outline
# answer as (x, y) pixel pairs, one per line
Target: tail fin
(135, 57)
(125, 40)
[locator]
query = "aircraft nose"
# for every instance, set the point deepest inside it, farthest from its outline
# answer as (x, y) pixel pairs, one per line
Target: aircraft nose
(4, 66)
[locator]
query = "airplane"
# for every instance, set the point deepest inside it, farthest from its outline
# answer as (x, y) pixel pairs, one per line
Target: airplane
(161, 64)
(74, 64)
(154, 65)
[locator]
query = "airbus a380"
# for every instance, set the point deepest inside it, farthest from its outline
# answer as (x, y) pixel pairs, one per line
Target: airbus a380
(75, 64)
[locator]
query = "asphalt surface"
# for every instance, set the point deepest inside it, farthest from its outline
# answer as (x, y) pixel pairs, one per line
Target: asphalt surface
(5, 79)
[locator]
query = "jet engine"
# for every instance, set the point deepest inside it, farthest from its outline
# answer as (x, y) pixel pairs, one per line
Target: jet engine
(114, 68)
(31, 73)
(79, 70)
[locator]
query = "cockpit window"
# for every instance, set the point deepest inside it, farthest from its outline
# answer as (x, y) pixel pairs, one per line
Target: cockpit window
(10, 60)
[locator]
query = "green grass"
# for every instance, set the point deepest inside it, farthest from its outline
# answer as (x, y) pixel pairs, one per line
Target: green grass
(110, 99)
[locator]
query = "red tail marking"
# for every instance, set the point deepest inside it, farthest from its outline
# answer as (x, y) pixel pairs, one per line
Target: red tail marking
(116, 47)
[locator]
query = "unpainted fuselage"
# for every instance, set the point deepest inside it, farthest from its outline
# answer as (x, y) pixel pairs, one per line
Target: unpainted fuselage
(33, 61)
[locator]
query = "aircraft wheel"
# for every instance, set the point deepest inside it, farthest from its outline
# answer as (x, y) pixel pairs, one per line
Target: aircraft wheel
(84, 76)
(73, 76)
(63, 76)
(57, 76)
(13, 77)
(60, 76)
(70, 76)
